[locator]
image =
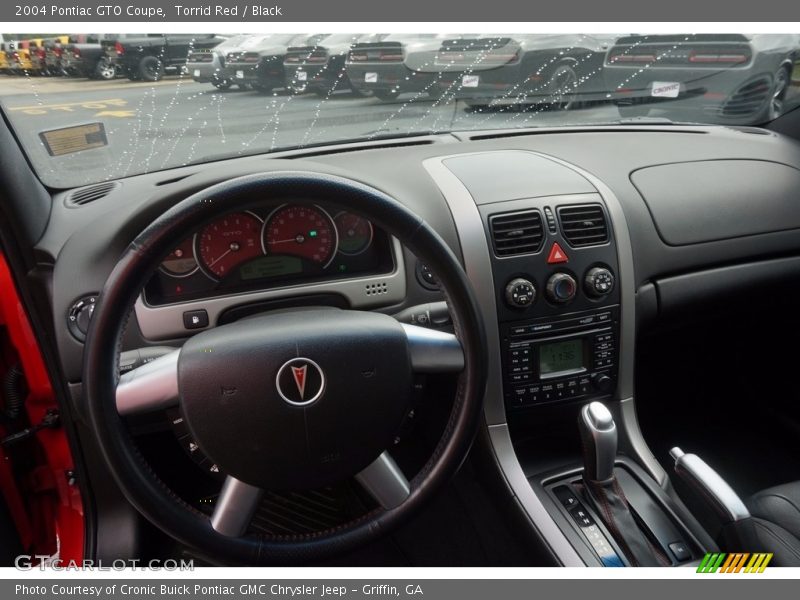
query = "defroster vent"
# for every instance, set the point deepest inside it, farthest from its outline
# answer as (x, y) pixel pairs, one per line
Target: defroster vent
(85, 195)
(517, 233)
(583, 225)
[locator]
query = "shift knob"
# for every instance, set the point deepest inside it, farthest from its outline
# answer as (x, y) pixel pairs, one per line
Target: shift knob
(599, 437)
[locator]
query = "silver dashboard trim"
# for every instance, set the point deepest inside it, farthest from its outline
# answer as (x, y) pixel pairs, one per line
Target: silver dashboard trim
(166, 322)
(477, 263)
(628, 422)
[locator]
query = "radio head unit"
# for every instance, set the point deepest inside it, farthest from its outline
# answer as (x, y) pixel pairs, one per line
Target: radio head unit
(563, 358)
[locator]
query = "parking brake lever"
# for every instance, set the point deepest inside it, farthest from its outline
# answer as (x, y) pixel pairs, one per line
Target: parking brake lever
(699, 475)
(737, 526)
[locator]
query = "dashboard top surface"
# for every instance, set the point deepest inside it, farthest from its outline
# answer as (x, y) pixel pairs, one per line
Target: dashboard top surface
(86, 240)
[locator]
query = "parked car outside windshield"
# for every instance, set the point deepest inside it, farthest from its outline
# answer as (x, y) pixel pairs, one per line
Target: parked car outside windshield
(106, 106)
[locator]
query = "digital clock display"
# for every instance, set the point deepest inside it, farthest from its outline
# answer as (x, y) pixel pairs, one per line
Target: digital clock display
(559, 357)
(271, 266)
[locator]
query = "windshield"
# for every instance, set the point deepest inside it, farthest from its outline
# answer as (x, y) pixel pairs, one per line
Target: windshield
(94, 107)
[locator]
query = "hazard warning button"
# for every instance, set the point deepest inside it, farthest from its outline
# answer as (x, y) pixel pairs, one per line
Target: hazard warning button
(557, 255)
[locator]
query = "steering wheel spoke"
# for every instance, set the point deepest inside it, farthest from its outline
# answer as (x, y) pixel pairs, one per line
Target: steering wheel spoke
(151, 387)
(433, 351)
(385, 482)
(236, 505)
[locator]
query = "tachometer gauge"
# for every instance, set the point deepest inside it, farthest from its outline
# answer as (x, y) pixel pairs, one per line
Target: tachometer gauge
(355, 233)
(227, 243)
(304, 231)
(181, 261)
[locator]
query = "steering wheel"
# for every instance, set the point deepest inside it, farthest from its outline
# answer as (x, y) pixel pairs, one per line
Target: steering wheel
(288, 400)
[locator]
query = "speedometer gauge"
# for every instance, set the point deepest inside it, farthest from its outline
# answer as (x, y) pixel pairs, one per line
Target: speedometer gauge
(227, 243)
(180, 262)
(355, 233)
(303, 231)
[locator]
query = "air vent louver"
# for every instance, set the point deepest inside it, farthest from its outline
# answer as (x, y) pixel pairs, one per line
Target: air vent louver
(517, 233)
(583, 225)
(85, 195)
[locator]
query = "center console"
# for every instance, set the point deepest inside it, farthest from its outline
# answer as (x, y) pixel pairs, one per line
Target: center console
(555, 268)
(547, 249)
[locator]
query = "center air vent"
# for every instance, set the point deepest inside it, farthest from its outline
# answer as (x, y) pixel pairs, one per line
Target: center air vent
(583, 225)
(517, 233)
(90, 193)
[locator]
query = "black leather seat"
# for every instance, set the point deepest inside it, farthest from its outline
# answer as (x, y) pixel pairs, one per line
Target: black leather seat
(776, 517)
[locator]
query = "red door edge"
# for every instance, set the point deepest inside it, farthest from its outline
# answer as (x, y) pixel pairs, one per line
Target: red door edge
(58, 523)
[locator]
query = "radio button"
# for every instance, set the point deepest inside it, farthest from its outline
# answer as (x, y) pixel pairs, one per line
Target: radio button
(519, 395)
(534, 393)
(572, 388)
(548, 393)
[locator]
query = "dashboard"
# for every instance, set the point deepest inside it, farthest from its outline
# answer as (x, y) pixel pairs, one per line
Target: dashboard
(674, 216)
(709, 175)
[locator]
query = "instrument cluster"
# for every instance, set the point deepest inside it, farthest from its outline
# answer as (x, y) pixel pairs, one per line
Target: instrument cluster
(290, 244)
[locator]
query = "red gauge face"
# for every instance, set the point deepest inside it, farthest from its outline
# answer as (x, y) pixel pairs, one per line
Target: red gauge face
(355, 233)
(181, 261)
(228, 242)
(304, 231)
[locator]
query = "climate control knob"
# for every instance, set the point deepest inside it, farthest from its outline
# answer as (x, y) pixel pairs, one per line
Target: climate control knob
(520, 293)
(561, 288)
(598, 282)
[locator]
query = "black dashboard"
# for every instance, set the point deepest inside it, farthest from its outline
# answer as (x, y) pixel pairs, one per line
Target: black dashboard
(574, 241)
(86, 239)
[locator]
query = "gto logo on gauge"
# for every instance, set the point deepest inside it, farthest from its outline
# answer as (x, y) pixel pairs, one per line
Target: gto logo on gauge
(300, 381)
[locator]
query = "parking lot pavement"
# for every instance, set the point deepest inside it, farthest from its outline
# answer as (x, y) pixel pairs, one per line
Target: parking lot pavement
(11, 85)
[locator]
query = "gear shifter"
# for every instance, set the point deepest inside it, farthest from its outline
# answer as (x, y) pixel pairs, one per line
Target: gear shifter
(599, 438)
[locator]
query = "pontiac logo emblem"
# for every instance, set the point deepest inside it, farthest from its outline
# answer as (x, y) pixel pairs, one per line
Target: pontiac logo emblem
(300, 381)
